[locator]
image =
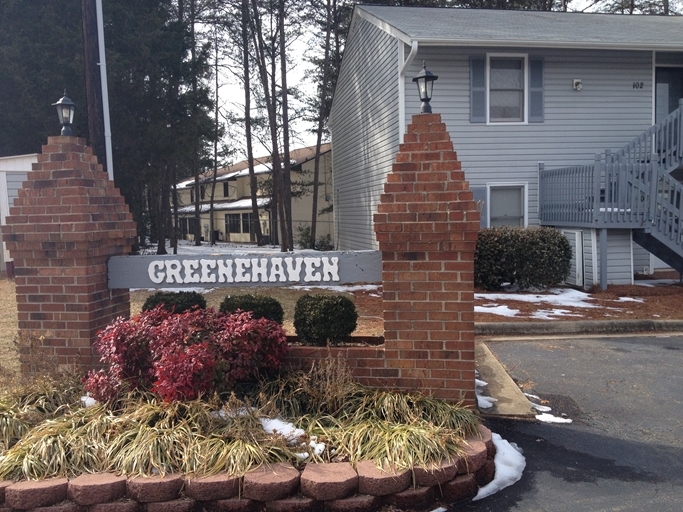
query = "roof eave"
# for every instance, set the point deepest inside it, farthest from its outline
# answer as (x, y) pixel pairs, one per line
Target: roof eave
(580, 45)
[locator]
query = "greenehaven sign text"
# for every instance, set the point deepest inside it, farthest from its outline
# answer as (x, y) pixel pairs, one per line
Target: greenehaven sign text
(244, 269)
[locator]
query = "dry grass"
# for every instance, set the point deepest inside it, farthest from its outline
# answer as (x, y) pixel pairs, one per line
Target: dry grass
(47, 433)
(9, 359)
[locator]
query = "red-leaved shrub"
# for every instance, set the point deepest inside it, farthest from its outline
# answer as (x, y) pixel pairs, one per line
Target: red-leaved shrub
(181, 356)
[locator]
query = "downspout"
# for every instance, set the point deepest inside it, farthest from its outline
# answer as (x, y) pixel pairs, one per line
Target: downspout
(402, 85)
(105, 91)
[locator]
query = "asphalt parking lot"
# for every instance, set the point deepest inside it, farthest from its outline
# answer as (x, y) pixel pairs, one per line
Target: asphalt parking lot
(624, 449)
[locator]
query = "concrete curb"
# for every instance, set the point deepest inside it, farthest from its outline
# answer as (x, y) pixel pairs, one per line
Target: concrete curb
(577, 327)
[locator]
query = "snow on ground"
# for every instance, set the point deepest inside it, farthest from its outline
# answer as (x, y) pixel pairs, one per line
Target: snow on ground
(510, 464)
(560, 298)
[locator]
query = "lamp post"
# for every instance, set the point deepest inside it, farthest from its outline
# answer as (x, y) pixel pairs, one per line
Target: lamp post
(425, 82)
(65, 111)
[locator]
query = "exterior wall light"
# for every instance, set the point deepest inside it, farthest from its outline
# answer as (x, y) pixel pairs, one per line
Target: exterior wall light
(65, 111)
(425, 82)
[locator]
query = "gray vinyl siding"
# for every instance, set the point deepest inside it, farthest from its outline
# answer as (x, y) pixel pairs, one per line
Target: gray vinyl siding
(364, 126)
(14, 182)
(619, 256)
(606, 114)
(590, 270)
(575, 277)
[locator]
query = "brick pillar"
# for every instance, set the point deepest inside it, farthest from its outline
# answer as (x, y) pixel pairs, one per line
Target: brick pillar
(65, 224)
(426, 225)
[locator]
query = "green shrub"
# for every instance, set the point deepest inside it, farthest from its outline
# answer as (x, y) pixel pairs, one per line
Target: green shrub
(178, 302)
(323, 319)
(261, 306)
(534, 257)
(303, 240)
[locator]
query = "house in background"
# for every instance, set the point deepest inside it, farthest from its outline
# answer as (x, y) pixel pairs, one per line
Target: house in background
(13, 172)
(529, 98)
(232, 209)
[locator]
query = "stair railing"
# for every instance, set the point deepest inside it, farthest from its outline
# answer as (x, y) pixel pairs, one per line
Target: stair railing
(662, 139)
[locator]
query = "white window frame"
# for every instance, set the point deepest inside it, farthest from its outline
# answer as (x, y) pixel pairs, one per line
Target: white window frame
(525, 95)
(524, 185)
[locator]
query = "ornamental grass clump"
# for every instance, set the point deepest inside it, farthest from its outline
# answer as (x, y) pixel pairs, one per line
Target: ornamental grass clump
(27, 406)
(141, 435)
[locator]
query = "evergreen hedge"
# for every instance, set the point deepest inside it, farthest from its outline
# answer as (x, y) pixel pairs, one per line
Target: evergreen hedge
(178, 302)
(533, 257)
(261, 306)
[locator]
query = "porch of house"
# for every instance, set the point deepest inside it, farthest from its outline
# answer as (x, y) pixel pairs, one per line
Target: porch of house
(636, 188)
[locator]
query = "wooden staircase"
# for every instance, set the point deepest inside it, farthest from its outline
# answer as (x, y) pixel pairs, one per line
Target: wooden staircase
(638, 187)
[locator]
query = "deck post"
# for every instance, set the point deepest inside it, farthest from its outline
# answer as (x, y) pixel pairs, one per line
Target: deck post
(603, 259)
(596, 186)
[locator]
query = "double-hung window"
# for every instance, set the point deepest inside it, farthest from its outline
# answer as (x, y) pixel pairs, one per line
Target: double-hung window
(506, 88)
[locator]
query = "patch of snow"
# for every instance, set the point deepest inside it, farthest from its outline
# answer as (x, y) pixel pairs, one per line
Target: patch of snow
(318, 448)
(440, 509)
(484, 402)
(629, 299)
(549, 418)
(529, 395)
(555, 296)
(283, 428)
(551, 314)
(88, 401)
(510, 464)
(495, 309)
(339, 288)
(540, 408)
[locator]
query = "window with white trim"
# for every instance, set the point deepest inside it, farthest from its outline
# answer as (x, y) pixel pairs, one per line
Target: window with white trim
(506, 88)
(507, 205)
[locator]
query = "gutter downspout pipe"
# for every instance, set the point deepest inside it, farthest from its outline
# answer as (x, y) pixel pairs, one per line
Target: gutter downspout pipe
(402, 85)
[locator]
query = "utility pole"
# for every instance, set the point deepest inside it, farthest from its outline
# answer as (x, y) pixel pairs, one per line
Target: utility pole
(93, 83)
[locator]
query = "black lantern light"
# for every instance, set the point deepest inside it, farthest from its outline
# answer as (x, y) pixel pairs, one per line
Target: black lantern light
(425, 82)
(65, 111)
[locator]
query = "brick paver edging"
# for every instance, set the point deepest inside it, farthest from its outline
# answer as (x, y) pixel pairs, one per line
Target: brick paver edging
(277, 488)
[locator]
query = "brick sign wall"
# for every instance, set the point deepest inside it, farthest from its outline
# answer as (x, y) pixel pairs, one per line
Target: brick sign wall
(69, 223)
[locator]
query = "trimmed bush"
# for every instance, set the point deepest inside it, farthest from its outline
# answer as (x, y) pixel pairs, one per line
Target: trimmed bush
(534, 257)
(261, 306)
(185, 355)
(177, 302)
(323, 319)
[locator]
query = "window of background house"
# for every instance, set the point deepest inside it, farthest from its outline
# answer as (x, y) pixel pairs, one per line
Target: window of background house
(246, 223)
(507, 206)
(506, 89)
(232, 223)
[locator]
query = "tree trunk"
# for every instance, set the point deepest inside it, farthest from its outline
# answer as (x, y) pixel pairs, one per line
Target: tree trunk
(253, 182)
(270, 99)
(321, 119)
(287, 163)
